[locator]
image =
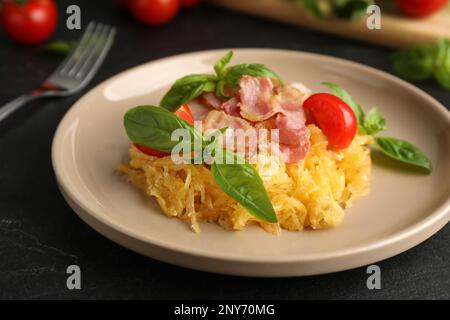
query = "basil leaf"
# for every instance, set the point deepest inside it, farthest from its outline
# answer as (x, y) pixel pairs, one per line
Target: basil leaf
(215, 134)
(187, 89)
(442, 71)
(60, 46)
(236, 72)
(403, 151)
(416, 63)
(374, 122)
(313, 7)
(347, 98)
(243, 183)
(220, 90)
(152, 127)
(219, 67)
(211, 144)
(351, 9)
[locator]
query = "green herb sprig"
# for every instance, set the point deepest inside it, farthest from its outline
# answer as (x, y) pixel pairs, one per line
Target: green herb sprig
(190, 87)
(424, 62)
(373, 123)
(351, 9)
(341, 9)
(152, 127)
(60, 46)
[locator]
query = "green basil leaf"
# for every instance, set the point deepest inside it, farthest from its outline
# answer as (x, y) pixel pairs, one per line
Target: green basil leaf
(403, 151)
(313, 7)
(416, 63)
(347, 98)
(236, 72)
(216, 133)
(374, 122)
(442, 71)
(219, 67)
(60, 46)
(152, 127)
(351, 9)
(211, 145)
(243, 183)
(187, 89)
(220, 90)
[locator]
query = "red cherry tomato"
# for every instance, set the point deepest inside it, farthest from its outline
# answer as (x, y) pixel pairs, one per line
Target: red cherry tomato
(154, 12)
(420, 8)
(31, 22)
(190, 3)
(333, 116)
(150, 151)
(183, 113)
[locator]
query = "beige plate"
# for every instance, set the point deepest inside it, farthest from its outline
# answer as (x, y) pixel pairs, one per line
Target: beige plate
(403, 209)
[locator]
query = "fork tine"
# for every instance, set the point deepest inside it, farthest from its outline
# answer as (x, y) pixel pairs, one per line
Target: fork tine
(94, 60)
(89, 47)
(75, 54)
(91, 57)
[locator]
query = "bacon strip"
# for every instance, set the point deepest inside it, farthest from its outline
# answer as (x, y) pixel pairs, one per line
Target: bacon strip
(265, 106)
(231, 107)
(256, 95)
(210, 100)
(219, 119)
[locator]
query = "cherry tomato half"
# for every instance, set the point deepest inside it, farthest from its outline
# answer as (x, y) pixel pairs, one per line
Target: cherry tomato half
(154, 12)
(333, 116)
(30, 22)
(183, 113)
(420, 8)
(150, 151)
(190, 3)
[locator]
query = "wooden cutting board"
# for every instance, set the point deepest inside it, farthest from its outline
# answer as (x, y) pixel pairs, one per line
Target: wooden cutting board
(396, 31)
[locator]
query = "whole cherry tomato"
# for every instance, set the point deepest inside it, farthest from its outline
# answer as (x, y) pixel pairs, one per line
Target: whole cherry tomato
(190, 3)
(29, 22)
(420, 8)
(154, 12)
(183, 113)
(333, 116)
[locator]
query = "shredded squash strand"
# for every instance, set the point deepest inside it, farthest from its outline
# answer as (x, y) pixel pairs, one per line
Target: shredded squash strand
(310, 194)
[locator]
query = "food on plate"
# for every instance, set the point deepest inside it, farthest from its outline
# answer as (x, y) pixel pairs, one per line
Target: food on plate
(266, 152)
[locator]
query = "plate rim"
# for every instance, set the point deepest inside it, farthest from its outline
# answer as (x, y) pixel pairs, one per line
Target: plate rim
(437, 219)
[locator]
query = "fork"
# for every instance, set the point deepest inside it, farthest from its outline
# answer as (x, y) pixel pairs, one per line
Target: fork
(75, 72)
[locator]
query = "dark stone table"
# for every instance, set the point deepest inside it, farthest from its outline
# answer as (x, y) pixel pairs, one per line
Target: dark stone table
(40, 235)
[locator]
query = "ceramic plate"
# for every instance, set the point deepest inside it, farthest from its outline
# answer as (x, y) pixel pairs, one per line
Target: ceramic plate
(403, 208)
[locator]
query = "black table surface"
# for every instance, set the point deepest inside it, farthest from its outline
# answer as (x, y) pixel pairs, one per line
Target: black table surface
(40, 236)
